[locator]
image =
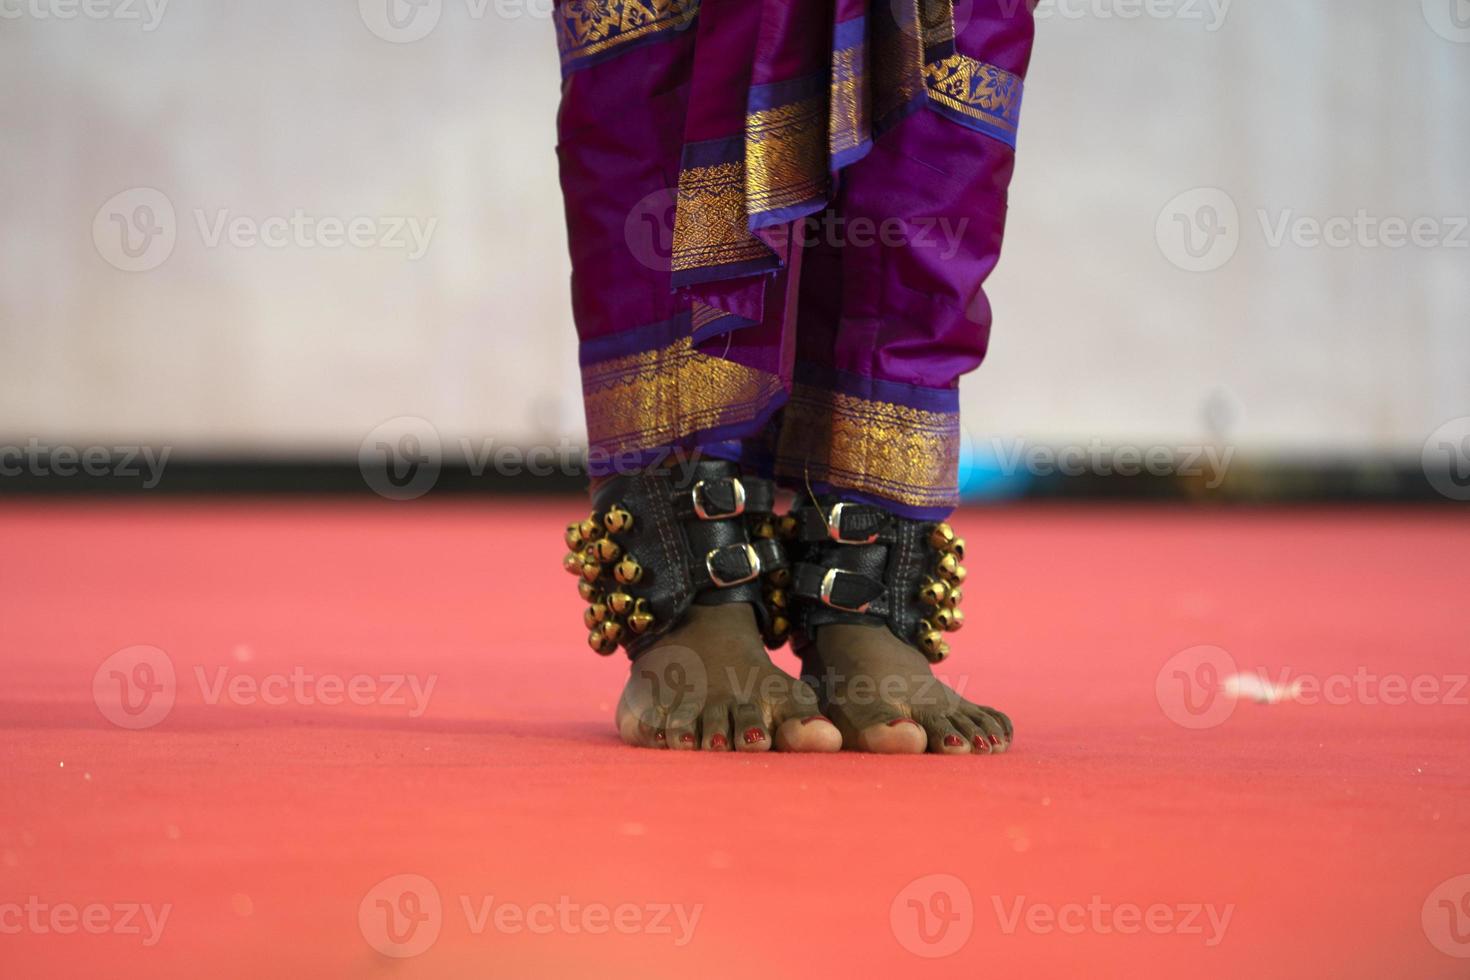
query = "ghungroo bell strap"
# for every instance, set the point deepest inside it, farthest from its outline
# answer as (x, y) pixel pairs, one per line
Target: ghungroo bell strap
(654, 545)
(857, 563)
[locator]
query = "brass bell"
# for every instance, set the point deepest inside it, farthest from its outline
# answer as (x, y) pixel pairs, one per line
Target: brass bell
(591, 529)
(941, 536)
(588, 590)
(940, 654)
(933, 592)
(572, 563)
(601, 644)
(618, 520)
(574, 537)
(788, 527)
(930, 639)
(947, 568)
(780, 625)
(956, 621)
(595, 615)
(628, 572)
(611, 630)
(765, 529)
(780, 578)
(956, 594)
(607, 551)
(957, 548)
(620, 603)
(946, 619)
(777, 598)
(640, 622)
(590, 571)
(959, 574)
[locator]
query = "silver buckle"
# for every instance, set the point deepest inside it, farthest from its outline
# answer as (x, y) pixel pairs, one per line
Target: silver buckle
(829, 582)
(751, 556)
(834, 528)
(705, 515)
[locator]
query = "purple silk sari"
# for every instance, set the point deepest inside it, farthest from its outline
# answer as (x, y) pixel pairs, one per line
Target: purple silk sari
(781, 215)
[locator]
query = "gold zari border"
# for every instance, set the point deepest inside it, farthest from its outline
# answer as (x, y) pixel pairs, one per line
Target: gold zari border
(976, 89)
(711, 226)
(785, 155)
(904, 454)
(660, 397)
(589, 27)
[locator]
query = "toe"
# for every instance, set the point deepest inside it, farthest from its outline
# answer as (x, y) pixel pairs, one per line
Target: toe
(1008, 730)
(810, 734)
(944, 737)
(993, 729)
(682, 738)
(636, 732)
(751, 733)
(714, 728)
(973, 733)
(871, 725)
(897, 736)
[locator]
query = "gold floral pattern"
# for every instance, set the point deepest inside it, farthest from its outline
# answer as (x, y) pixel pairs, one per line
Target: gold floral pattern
(977, 90)
(589, 27)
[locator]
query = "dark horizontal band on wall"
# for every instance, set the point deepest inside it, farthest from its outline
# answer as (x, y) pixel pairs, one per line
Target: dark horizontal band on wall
(136, 474)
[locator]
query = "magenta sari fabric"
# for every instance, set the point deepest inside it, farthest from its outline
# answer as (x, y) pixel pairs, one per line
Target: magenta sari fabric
(781, 215)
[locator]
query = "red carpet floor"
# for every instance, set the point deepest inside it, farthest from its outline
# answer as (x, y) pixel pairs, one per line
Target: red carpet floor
(255, 827)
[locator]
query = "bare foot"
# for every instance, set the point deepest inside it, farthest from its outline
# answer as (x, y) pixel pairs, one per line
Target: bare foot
(883, 696)
(709, 684)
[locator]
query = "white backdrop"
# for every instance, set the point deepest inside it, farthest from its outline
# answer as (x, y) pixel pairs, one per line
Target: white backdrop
(1308, 109)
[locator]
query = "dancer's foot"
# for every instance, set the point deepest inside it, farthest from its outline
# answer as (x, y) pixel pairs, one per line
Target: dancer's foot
(883, 696)
(709, 685)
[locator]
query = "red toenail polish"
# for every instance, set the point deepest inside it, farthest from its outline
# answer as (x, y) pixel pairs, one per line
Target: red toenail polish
(808, 721)
(953, 740)
(687, 738)
(901, 721)
(754, 736)
(980, 743)
(994, 740)
(718, 742)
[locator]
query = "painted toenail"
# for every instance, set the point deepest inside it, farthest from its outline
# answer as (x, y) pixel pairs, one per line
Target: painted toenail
(754, 736)
(980, 743)
(661, 736)
(717, 742)
(994, 740)
(953, 740)
(902, 721)
(808, 721)
(687, 738)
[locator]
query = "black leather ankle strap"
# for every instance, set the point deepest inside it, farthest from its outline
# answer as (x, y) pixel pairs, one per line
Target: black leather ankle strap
(654, 545)
(857, 563)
